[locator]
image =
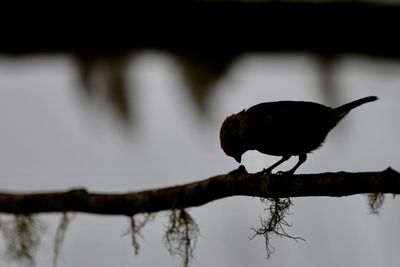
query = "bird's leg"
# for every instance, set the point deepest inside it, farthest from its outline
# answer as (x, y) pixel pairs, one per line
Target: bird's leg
(302, 158)
(273, 166)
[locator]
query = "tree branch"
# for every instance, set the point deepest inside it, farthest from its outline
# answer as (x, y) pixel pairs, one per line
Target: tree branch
(235, 183)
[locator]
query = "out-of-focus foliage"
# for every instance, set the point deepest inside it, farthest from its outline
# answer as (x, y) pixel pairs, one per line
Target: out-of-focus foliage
(103, 79)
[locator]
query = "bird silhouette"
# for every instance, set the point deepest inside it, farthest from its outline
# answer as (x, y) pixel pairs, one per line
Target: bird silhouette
(283, 128)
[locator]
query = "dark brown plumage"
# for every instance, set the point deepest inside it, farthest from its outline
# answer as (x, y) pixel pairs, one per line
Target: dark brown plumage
(284, 128)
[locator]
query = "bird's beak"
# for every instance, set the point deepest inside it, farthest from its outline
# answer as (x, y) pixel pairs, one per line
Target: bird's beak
(238, 158)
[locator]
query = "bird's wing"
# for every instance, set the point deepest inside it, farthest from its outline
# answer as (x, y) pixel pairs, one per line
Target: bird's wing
(285, 124)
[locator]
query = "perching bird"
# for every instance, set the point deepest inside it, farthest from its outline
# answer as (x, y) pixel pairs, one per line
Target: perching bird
(284, 128)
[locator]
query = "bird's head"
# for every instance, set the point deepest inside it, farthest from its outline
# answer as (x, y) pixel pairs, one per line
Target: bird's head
(231, 136)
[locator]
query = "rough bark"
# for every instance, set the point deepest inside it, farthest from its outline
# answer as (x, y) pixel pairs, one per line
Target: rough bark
(235, 183)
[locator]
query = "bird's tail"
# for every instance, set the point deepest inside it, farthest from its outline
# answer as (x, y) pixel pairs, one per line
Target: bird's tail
(343, 110)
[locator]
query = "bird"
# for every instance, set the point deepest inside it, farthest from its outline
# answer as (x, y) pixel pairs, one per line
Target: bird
(282, 128)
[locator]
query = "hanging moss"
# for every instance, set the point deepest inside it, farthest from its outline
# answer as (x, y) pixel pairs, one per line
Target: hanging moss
(274, 224)
(181, 235)
(22, 235)
(375, 202)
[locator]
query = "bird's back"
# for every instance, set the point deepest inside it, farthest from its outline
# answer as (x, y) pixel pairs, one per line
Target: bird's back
(288, 127)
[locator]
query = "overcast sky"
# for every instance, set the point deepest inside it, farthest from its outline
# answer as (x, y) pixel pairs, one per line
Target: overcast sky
(51, 139)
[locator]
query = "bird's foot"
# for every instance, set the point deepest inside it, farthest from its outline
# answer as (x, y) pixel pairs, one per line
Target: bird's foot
(265, 171)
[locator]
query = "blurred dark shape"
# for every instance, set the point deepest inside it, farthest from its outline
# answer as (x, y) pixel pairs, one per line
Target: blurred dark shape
(201, 71)
(284, 128)
(326, 66)
(104, 78)
(328, 27)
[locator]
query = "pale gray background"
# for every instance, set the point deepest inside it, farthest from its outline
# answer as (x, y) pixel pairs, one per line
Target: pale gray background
(53, 139)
